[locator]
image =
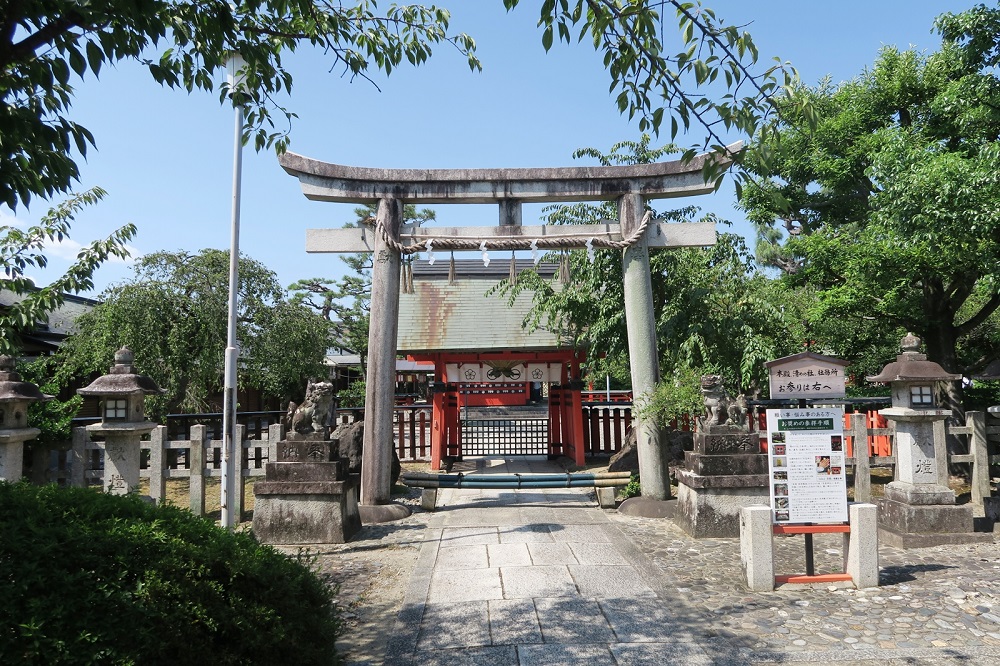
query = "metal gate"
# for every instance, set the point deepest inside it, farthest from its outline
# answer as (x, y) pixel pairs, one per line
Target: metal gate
(505, 437)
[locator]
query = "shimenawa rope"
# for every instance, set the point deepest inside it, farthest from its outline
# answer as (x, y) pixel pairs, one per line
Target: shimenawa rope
(525, 243)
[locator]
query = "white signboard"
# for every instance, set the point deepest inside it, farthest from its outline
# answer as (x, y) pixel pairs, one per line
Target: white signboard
(808, 478)
(503, 372)
(807, 375)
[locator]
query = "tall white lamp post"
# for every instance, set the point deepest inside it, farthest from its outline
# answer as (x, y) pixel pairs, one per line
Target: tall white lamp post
(231, 469)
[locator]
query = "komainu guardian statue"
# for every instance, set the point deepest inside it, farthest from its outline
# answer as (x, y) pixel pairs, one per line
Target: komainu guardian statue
(315, 412)
(720, 407)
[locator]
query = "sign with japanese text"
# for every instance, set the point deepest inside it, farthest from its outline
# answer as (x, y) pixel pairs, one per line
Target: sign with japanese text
(807, 375)
(808, 479)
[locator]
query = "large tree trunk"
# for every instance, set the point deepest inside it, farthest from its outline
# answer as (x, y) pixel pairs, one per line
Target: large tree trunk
(941, 343)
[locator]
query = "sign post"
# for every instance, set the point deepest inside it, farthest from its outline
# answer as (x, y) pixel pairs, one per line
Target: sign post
(806, 457)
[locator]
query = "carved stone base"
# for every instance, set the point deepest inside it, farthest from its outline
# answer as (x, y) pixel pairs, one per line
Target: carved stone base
(906, 540)
(699, 481)
(919, 526)
(922, 494)
(306, 496)
(715, 511)
(318, 436)
(725, 465)
(292, 512)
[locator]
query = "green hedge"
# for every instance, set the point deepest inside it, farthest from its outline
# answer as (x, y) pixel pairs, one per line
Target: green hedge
(89, 578)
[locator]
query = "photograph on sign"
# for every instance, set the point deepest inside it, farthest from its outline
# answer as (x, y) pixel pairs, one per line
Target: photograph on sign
(806, 465)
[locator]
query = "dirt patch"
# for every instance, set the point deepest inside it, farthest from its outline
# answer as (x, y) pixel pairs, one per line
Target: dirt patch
(369, 576)
(371, 588)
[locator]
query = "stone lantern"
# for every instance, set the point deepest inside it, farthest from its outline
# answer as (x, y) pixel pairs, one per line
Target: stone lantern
(919, 508)
(15, 396)
(122, 394)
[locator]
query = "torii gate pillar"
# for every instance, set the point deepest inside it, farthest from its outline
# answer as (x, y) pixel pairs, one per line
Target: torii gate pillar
(644, 362)
(376, 457)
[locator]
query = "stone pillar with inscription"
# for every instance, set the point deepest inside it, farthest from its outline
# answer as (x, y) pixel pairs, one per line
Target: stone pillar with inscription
(306, 496)
(918, 508)
(725, 472)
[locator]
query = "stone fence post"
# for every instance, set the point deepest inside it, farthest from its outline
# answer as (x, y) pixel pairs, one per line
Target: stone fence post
(976, 421)
(78, 458)
(239, 487)
(196, 466)
(157, 477)
(275, 433)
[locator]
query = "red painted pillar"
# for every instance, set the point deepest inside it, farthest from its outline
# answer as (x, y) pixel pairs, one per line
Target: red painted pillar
(575, 418)
(439, 422)
(438, 426)
(566, 421)
(453, 440)
(555, 421)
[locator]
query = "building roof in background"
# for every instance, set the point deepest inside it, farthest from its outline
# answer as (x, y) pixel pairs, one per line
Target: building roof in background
(402, 365)
(460, 317)
(48, 335)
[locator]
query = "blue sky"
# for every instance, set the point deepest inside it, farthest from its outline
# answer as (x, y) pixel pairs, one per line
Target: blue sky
(166, 157)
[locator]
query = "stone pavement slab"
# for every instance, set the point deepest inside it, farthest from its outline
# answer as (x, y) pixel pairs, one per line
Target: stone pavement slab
(454, 625)
(449, 586)
(509, 555)
(550, 553)
(598, 581)
(454, 558)
(563, 655)
(537, 581)
(514, 622)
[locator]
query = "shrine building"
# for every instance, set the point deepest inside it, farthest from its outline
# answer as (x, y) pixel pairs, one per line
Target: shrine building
(483, 356)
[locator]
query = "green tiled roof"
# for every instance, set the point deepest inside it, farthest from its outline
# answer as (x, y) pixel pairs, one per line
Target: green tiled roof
(460, 317)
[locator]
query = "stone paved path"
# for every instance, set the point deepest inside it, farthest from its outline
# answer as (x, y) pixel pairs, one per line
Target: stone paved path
(546, 577)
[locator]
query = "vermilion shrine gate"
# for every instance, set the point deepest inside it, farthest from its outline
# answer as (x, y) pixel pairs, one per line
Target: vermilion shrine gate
(634, 233)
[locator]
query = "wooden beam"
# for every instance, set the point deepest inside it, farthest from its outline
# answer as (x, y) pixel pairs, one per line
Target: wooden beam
(659, 235)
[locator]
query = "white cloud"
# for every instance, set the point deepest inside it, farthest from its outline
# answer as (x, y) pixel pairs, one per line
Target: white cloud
(9, 219)
(67, 249)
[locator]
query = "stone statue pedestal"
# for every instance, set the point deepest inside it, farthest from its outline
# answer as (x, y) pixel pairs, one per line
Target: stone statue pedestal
(306, 496)
(725, 472)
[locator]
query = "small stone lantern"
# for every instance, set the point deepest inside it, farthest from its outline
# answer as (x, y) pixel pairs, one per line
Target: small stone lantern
(919, 508)
(15, 396)
(122, 394)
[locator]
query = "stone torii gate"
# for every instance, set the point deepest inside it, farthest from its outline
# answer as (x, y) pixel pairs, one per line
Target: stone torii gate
(634, 234)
